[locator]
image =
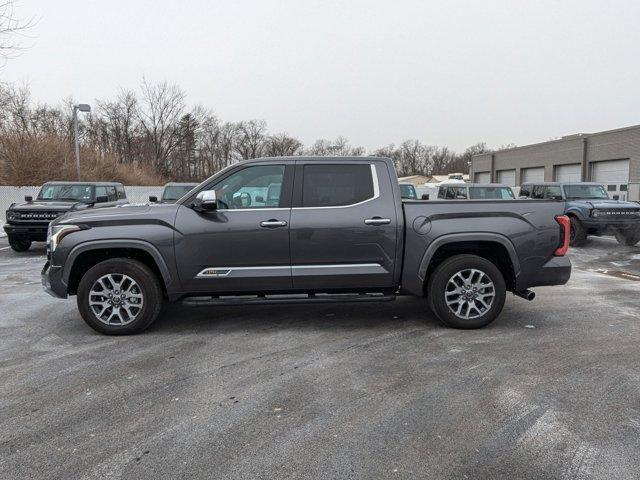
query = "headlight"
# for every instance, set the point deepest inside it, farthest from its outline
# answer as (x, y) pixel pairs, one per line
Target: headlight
(56, 233)
(595, 212)
(10, 215)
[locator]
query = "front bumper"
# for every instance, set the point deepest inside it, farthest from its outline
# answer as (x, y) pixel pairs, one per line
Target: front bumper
(35, 233)
(52, 283)
(610, 225)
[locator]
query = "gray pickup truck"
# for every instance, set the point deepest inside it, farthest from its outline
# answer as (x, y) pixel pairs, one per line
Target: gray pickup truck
(337, 231)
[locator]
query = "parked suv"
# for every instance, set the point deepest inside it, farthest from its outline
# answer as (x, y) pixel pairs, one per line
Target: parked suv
(172, 192)
(590, 210)
(27, 222)
(475, 191)
(305, 229)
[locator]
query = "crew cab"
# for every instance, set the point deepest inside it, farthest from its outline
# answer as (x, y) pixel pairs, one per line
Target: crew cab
(590, 210)
(27, 222)
(335, 230)
(475, 191)
(172, 191)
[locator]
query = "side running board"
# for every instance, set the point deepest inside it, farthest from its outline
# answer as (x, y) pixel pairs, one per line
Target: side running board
(286, 299)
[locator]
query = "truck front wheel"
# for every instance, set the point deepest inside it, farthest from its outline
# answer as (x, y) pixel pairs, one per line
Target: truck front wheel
(19, 245)
(119, 296)
(466, 291)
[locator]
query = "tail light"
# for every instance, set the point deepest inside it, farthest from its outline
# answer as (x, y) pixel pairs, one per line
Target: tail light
(565, 235)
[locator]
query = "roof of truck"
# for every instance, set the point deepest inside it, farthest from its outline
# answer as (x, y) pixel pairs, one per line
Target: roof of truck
(318, 159)
(181, 184)
(62, 182)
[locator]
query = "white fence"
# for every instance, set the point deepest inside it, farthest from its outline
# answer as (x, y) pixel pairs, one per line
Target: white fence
(9, 195)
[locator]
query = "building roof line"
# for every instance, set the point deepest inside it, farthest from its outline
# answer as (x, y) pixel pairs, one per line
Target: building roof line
(565, 138)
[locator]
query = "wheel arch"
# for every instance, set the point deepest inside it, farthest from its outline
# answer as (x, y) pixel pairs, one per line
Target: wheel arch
(86, 255)
(496, 248)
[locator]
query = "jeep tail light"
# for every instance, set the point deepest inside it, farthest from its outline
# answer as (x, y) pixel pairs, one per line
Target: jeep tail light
(565, 235)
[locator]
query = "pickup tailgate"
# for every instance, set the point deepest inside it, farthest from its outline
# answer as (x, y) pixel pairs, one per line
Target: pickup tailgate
(526, 231)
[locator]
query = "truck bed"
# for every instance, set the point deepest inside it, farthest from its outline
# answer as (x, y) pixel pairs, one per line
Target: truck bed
(526, 230)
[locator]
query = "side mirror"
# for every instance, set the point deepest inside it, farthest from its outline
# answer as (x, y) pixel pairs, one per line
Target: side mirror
(28, 198)
(425, 196)
(616, 197)
(153, 198)
(102, 199)
(205, 201)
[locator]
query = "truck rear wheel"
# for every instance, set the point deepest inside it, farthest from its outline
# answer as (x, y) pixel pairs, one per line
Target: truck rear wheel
(119, 296)
(628, 237)
(19, 245)
(466, 291)
(577, 234)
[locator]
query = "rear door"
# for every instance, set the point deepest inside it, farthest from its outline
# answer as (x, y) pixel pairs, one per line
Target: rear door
(343, 226)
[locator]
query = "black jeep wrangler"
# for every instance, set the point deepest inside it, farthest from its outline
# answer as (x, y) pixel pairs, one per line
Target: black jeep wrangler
(28, 222)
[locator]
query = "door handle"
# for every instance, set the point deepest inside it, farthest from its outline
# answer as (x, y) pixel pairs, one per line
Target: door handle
(273, 223)
(377, 221)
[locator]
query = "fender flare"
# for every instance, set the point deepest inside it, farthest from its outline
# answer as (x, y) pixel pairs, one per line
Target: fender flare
(576, 212)
(468, 237)
(102, 244)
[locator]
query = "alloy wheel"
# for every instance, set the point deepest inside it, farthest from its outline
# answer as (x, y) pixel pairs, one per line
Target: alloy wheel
(116, 299)
(469, 293)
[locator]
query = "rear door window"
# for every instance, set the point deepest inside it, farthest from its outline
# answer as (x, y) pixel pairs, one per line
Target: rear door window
(337, 185)
(538, 192)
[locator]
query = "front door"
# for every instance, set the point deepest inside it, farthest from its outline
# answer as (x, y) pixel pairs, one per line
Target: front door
(242, 246)
(343, 226)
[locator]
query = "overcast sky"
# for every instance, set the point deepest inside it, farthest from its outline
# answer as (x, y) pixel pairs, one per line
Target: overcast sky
(378, 72)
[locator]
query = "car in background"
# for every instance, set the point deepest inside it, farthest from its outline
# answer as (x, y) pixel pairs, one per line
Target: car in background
(28, 222)
(475, 191)
(590, 210)
(173, 191)
(408, 191)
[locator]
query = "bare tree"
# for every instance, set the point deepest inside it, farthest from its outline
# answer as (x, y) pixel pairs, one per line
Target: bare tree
(252, 136)
(10, 26)
(282, 145)
(120, 122)
(163, 106)
(339, 147)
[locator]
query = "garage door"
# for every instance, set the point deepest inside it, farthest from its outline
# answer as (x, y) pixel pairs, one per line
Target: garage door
(508, 177)
(533, 175)
(614, 174)
(568, 173)
(482, 177)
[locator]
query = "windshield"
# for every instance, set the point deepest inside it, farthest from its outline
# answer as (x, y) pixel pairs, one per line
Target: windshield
(501, 193)
(175, 192)
(72, 192)
(578, 192)
(408, 191)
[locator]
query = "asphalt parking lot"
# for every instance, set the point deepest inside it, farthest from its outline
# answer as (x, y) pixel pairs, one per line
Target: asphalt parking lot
(549, 390)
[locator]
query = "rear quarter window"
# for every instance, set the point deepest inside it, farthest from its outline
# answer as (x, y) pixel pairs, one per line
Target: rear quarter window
(336, 185)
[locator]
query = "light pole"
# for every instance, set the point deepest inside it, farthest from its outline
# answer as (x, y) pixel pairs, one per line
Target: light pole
(83, 107)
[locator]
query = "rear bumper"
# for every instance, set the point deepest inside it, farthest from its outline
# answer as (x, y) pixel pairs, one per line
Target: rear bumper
(52, 283)
(35, 233)
(556, 271)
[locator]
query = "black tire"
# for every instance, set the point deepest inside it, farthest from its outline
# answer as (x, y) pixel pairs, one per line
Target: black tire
(578, 235)
(628, 238)
(19, 245)
(437, 287)
(149, 287)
